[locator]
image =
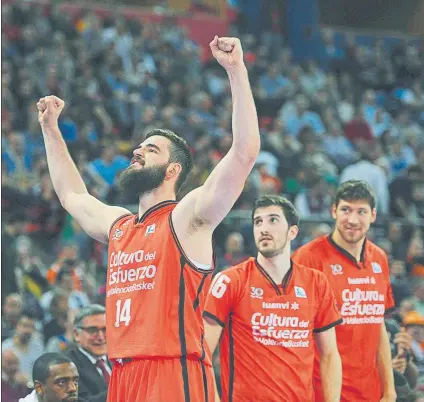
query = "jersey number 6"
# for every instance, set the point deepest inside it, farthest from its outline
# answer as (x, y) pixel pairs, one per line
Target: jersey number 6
(123, 314)
(219, 285)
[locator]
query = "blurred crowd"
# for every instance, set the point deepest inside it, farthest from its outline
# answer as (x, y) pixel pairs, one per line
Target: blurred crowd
(355, 112)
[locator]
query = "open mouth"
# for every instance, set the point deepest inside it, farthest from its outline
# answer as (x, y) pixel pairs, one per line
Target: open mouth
(137, 162)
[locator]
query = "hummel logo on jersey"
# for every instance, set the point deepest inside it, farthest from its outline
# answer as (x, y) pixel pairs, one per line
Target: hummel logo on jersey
(151, 229)
(299, 292)
(337, 269)
(376, 268)
(256, 293)
(118, 233)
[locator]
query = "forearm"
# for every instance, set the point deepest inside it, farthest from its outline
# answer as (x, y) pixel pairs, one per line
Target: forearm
(246, 140)
(384, 364)
(63, 172)
(331, 376)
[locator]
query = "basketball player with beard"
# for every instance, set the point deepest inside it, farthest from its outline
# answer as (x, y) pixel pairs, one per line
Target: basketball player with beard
(160, 260)
(358, 272)
(270, 311)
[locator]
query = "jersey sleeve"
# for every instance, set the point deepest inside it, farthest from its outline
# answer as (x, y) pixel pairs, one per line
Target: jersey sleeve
(328, 313)
(223, 295)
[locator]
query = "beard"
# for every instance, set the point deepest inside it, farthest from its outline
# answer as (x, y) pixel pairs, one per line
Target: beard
(133, 182)
(353, 238)
(270, 252)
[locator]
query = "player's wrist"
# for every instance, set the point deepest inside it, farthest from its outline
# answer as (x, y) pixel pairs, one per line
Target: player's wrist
(237, 70)
(49, 127)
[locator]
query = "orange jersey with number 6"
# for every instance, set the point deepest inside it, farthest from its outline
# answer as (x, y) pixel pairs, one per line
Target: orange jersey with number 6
(154, 294)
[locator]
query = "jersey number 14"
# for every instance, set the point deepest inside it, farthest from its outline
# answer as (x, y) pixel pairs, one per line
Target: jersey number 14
(123, 314)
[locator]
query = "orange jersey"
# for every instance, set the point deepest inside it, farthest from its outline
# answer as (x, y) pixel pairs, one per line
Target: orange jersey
(267, 351)
(363, 293)
(154, 294)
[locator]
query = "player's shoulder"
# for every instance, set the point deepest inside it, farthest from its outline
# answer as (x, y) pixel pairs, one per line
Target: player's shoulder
(317, 245)
(120, 224)
(240, 270)
(375, 251)
(309, 274)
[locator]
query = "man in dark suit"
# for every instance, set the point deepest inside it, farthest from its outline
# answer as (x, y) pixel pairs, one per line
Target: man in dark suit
(89, 355)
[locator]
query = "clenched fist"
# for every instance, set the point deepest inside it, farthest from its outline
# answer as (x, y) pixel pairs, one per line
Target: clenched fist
(49, 109)
(228, 52)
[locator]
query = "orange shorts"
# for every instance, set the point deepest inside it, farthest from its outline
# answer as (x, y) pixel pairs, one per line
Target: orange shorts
(167, 380)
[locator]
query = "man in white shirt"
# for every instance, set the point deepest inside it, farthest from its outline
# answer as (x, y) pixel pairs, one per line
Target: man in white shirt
(89, 355)
(374, 175)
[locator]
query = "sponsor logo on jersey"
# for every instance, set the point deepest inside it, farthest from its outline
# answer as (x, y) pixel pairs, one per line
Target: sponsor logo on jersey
(336, 269)
(275, 330)
(150, 229)
(299, 292)
(367, 280)
(362, 306)
(376, 268)
(256, 293)
(281, 306)
(118, 233)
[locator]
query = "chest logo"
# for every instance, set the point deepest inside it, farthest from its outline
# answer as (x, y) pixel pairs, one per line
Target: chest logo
(376, 268)
(299, 292)
(118, 234)
(256, 293)
(336, 269)
(150, 229)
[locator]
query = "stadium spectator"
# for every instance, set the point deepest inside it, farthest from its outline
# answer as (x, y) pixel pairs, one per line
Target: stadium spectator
(55, 379)
(14, 385)
(26, 344)
(89, 355)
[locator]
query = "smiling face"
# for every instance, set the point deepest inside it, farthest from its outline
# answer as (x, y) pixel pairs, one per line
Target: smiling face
(353, 219)
(92, 334)
(271, 230)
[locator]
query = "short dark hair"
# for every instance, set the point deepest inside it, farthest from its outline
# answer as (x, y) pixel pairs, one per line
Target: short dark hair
(355, 190)
(92, 309)
(179, 152)
(27, 314)
(41, 368)
(289, 210)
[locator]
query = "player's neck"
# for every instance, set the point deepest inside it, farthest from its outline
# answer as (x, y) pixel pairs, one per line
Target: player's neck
(278, 266)
(153, 198)
(355, 249)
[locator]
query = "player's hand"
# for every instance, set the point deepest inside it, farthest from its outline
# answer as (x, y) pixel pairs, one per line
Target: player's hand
(49, 109)
(227, 52)
(403, 340)
(399, 364)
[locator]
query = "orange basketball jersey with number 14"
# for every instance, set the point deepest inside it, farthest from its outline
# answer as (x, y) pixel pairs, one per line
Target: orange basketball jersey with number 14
(154, 295)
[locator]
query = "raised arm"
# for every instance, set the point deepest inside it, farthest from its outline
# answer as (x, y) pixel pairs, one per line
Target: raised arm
(92, 215)
(211, 203)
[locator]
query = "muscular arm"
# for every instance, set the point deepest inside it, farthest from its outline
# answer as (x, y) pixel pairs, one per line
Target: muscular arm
(213, 333)
(211, 203)
(330, 365)
(92, 215)
(384, 365)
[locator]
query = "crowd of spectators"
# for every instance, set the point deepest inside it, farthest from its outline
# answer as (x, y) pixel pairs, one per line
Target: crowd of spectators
(357, 112)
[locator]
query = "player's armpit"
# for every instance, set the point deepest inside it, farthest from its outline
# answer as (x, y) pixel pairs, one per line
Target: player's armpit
(223, 187)
(94, 217)
(213, 331)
